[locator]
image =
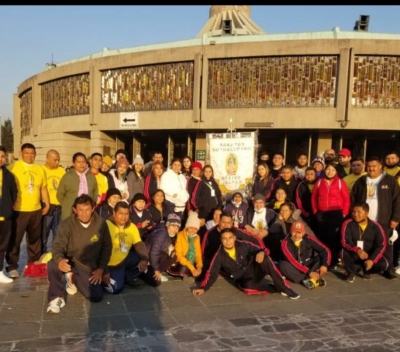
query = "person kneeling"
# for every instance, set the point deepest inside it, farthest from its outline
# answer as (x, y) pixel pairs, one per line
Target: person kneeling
(188, 251)
(364, 243)
(129, 258)
(305, 258)
(80, 254)
(247, 264)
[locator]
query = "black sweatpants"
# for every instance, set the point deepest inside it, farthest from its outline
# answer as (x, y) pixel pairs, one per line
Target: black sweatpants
(353, 263)
(291, 273)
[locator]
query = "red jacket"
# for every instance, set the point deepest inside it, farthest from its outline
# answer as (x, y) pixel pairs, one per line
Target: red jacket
(333, 196)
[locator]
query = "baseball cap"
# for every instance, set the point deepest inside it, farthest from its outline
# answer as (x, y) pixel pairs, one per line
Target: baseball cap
(344, 152)
(298, 226)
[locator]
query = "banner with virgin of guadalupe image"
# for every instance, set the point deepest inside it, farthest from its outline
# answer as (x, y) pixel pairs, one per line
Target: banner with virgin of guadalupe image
(233, 158)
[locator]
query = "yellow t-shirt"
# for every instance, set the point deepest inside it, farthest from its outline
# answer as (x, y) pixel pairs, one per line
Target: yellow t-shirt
(351, 179)
(102, 185)
(311, 186)
(277, 204)
(363, 227)
(231, 252)
(392, 172)
(122, 240)
(53, 177)
(30, 180)
(347, 170)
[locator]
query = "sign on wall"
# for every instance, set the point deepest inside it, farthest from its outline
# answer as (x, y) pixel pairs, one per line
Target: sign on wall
(233, 158)
(129, 120)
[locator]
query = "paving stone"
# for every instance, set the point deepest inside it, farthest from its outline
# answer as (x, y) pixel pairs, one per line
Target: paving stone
(64, 327)
(19, 331)
(192, 315)
(153, 320)
(20, 313)
(244, 321)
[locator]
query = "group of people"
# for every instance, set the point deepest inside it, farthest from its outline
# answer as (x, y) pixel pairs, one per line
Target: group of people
(114, 222)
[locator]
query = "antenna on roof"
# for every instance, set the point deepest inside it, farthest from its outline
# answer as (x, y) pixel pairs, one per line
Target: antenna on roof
(50, 65)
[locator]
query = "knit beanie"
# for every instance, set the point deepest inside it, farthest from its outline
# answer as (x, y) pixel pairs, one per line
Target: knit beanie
(138, 160)
(121, 161)
(197, 164)
(318, 159)
(107, 160)
(113, 191)
(173, 219)
(138, 196)
(259, 196)
(193, 220)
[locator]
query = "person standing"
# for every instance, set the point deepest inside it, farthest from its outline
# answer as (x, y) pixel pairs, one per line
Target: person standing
(357, 170)
(8, 197)
(96, 161)
(54, 173)
(382, 193)
(32, 203)
(77, 181)
(80, 255)
(343, 167)
(330, 202)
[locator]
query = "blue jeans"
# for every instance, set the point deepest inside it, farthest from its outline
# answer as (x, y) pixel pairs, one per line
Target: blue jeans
(50, 222)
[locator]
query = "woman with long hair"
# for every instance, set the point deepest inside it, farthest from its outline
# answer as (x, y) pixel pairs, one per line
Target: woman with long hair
(118, 178)
(153, 180)
(136, 176)
(206, 195)
(280, 198)
(330, 201)
(263, 182)
(159, 207)
(187, 166)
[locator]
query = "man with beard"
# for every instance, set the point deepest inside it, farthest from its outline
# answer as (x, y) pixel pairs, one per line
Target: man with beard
(392, 165)
(343, 166)
(303, 198)
(382, 193)
(364, 243)
(329, 156)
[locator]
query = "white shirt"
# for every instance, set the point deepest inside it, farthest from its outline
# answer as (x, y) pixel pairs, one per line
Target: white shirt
(173, 183)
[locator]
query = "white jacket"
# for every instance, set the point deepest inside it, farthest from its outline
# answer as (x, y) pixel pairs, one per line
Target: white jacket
(172, 183)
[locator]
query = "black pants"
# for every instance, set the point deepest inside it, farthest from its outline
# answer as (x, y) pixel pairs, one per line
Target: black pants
(353, 263)
(295, 275)
(329, 227)
(5, 235)
(57, 283)
(388, 254)
(273, 243)
(164, 264)
(31, 222)
(50, 223)
(252, 277)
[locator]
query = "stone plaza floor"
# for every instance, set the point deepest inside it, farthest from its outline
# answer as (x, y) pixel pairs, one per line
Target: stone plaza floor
(359, 316)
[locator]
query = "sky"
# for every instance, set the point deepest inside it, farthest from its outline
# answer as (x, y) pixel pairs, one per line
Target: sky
(31, 36)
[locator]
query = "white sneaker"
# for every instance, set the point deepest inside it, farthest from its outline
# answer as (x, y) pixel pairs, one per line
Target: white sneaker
(163, 278)
(4, 279)
(397, 270)
(14, 274)
(70, 286)
(55, 305)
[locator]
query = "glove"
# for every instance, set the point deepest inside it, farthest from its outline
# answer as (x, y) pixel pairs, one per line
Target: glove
(394, 237)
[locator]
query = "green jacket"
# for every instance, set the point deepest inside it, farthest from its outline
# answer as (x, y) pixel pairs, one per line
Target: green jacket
(68, 189)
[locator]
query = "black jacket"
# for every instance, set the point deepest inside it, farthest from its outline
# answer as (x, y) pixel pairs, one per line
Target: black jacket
(303, 200)
(258, 187)
(203, 200)
(157, 216)
(105, 210)
(212, 240)
(138, 220)
(388, 198)
(373, 237)
(289, 188)
(242, 267)
(340, 171)
(310, 246)
(9, 194)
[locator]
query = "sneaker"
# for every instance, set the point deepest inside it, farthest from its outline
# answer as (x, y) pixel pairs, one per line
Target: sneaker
(332, 267)
(390, 274)
(55, 305)
(397, 270)
(367, 276)
(13, 274)
(70, 286)
(163, 278)
(4, 279)
(321, 282)
(134, 283)
(350, 278)
(290, 293)
(308, 284)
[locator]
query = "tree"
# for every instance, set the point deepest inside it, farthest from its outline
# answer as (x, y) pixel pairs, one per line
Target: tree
(7, 136)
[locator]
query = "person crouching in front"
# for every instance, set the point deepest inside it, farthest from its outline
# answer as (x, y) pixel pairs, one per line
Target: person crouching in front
(188, 251)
